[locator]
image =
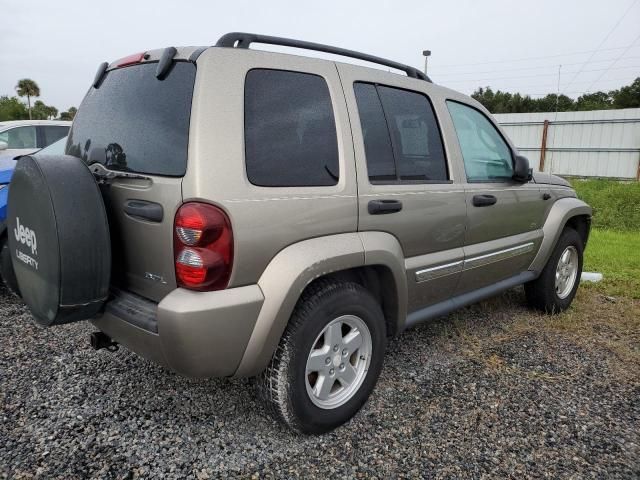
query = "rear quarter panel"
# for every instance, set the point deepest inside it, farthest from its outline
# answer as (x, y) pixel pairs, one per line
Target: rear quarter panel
(265, 220)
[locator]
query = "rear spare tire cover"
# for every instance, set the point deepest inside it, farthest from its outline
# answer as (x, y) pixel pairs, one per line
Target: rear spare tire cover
(59, 238)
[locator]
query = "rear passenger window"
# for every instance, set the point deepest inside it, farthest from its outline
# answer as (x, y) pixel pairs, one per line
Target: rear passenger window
(20, 137)
(290, 131)
(401, 136)
(53, 134)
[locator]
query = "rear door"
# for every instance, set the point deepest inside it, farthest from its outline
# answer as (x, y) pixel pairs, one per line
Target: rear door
(504, 217)
(406, 184)
(133, 122)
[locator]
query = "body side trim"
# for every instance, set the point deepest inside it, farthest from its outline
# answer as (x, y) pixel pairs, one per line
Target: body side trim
(432, 273)
(482, 260)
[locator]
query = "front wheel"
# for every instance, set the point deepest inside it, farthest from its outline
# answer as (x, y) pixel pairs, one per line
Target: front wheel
(328, 360)
(554, 290)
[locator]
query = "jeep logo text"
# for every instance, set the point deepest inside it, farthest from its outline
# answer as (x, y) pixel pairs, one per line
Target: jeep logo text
(26, 236)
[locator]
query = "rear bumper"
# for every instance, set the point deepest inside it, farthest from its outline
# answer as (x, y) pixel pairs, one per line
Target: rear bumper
(197, 334)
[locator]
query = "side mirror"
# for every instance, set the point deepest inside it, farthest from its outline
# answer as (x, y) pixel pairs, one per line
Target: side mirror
(4, 145)
(521, 170)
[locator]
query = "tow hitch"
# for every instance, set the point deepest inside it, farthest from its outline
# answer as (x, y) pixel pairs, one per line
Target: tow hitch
(99, 341)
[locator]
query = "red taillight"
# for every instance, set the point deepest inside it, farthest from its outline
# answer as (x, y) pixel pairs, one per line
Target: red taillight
(130, 59)
(203, 247)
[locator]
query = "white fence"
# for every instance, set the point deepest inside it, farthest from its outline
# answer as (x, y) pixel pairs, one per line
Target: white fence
(597, 143)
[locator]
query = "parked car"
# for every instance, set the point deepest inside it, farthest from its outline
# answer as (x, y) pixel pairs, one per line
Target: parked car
(7, 166)
(22, 137)
(249, 213)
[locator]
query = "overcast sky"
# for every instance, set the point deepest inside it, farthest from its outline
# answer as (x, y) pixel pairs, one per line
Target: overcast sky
(510, 45)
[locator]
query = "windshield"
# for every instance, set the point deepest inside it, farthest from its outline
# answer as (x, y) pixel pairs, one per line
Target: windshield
(56, 148)
(134, 122)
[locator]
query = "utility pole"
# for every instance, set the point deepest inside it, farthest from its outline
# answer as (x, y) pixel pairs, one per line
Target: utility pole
(427, 54)
(558, 94)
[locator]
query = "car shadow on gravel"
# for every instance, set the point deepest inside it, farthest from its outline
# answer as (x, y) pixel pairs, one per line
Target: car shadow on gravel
(488, 390)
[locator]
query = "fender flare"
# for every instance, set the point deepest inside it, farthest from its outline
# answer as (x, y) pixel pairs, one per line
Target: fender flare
(296, 266)
(561, 212)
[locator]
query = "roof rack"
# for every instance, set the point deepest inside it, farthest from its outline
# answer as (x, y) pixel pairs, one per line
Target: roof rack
(243, 40)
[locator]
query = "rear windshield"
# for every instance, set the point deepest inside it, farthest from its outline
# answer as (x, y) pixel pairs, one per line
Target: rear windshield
(136, 123)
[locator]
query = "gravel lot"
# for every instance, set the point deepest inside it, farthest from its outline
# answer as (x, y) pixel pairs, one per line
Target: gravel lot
(494, 390)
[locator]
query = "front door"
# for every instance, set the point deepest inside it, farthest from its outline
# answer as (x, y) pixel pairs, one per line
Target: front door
(406, 185)
(505, 217)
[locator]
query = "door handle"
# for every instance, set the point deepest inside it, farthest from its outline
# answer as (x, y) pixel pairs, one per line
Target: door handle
(144, 210)
(383, 207)
(484, 200)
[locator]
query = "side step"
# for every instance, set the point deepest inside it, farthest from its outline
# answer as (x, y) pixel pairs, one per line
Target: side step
(451, 304)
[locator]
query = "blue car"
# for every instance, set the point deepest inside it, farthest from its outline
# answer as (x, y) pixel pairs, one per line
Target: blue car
(7, 165)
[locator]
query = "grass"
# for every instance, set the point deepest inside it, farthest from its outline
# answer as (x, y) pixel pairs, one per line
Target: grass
(617, 256)
(614, 244)
(616, 205)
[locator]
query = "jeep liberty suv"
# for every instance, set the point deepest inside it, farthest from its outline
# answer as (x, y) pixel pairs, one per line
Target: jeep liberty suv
(225, 211)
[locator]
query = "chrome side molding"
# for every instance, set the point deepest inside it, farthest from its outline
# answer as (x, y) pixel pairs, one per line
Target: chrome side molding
(432, 273)
(439, 271)
(482, 260)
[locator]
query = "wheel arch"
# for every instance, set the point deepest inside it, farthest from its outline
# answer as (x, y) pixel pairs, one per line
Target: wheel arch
(565, 212)
(343, 257)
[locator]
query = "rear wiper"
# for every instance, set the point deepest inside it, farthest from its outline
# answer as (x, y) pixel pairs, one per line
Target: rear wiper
(105, 175)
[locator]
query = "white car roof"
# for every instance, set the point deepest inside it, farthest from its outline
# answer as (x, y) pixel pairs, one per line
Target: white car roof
(22, 123)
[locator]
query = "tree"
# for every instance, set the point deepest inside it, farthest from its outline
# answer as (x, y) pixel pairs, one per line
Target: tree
(11, 108)
(594, 101)
(505, 102)
(627, 97)
(53, 112)
(28, 88)
(69, 114)
(40, 111)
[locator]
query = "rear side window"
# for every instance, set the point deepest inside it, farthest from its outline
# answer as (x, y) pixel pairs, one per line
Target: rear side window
(377, 142)
(290, 130)
(53, 133)
(401, 136)
(134, 122)
(19, 137)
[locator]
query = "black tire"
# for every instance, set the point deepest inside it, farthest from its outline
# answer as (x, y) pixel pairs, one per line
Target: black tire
(283, 384)
(58, 237)
(6, 269)
(541, 293)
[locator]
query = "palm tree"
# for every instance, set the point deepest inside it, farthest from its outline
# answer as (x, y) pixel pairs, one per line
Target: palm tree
(28, 88)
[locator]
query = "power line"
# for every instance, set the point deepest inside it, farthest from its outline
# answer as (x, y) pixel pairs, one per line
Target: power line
(604, 40)
(584, 52)
(518, 88)
(554, 65)
(614, 62)
(538, 75)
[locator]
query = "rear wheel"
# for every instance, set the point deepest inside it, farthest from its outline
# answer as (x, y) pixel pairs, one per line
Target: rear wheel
(554, 290)
(328, 360)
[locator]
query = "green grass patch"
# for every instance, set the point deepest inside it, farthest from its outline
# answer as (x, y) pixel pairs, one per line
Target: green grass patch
(616, 205)
(617, 256)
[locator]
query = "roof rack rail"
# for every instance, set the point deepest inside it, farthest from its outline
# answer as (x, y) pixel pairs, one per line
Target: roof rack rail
(243, 40)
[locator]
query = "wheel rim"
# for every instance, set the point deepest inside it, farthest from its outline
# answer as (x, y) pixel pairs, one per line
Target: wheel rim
(566, 272)
(338, 362)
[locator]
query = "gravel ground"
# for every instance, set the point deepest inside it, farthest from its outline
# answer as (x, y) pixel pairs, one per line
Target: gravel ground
(492, 391)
